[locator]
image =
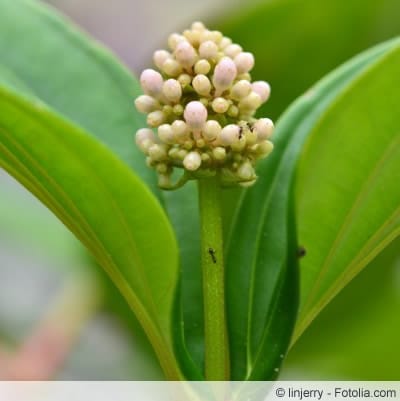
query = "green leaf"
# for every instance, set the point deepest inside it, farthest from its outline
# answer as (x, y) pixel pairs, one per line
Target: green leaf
(348, 185)
(103, 203)
(297, 42)
(262, 270)
(74, 75)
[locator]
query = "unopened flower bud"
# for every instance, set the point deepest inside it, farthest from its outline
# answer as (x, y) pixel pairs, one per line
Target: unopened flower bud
(241, 89)
(184, 80)
(185, 54)
(144, 138)
(166, 134)
(229, 134)
(202, 67)
(246, 171)
(244, 62)
(151, 82)
(180, 130)
(208, 50)
(219, 153)
(171, 67)
(224, 74)
(250, 102)
(265, 148)
(192, 161)
(220, 105)
(232, 50)
(225, 42)
(198, 26)
(264, 128)
(159, 58)
(164, 180)
(174, 39)
(172, 90)
(146, 104)
(262, 88)
(155, 118)
(157, 152)
(195, 114)
(201, 85)
(211, 130)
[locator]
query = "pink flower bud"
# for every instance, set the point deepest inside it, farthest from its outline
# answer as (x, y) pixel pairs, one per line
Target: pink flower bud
(185, 54)
(159, 58)
(263, 128)
(151, 82)
(224, 74)
(244, 62)
(208, 50)
(195, 114)
(229, 134)
(262, 88)
(172, 90)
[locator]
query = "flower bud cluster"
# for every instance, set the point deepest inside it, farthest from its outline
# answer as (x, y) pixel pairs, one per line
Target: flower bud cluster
(202, 103)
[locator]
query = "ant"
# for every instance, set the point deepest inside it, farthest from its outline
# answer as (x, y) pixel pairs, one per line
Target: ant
(301, 252)
(211, 251)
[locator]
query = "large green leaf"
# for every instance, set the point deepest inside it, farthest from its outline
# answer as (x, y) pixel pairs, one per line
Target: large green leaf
(73, 74)
(297, 42)
(348, 185)
(104, 204)
(261, 267)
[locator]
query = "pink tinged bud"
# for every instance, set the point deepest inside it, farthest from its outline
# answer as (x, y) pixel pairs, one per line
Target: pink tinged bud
(224, 74)
(172, 90)
(264, 128)
(180, 130)
(192, 161)
(244, 62)
(151, 82)
(185, 54)
(159, 58)
(174, 39)
(144, 138)
(232, 50)
(211, 130)
(241, 89)
(263, 89)
(201, 85)
(195, 114)
(146, 104)
(229, 134)
(208, 50)
(166, 134)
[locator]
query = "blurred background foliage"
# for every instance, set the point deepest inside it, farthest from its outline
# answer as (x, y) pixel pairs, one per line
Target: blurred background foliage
(295, 42)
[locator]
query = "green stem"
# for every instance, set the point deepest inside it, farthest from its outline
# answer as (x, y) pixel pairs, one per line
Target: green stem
(216, 342)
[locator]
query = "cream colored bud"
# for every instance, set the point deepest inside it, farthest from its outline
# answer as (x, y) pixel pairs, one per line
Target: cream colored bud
(220, 105)
(184, 80)
(225, 42)
(159, 58)
(247, 184)
(195, 114)
(174, 39)
(180, 130)
(211, 130)
(244, 62)
(155, 118)
(202, 67)
(178, 109)
(229, 134)
(166, 134)
(265, 148)
(185, 54)
(240, 144)
(151, 82)
(146, 104)
(233, 111)
(172, 90)
(224, 74)
(232, 50)
(193, 36)
(250, 102)
(192, 161)
(201, 85)
(219, 153)
(171, 67)
(164, 180)
(182, 154)
(262, 88)
(198, 26)
(208, 50)
(162, 168)
(200, 143)
(241, 89)
(246, 171)
(264, 128)
(144, 138)
(157, 152)
(173, 153)
(216, 36)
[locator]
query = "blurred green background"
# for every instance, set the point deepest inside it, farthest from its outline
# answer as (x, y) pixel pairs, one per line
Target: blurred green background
(295, 43)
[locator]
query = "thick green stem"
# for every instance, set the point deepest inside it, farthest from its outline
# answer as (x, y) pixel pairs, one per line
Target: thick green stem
(216, 342)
